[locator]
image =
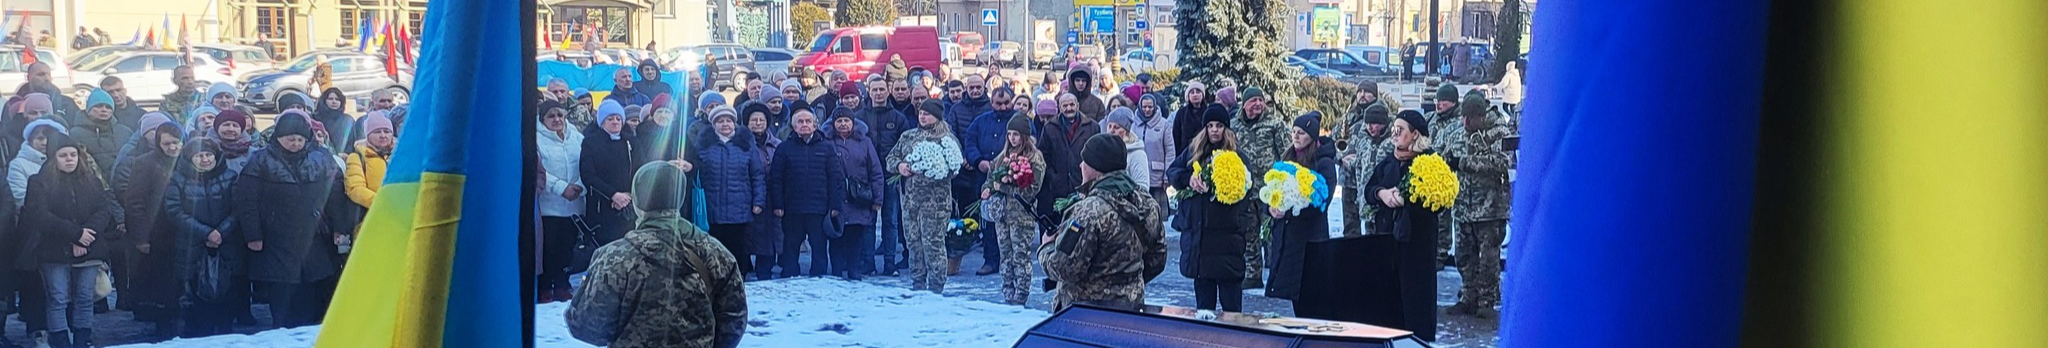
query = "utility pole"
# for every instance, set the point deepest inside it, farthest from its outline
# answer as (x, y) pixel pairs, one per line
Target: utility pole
(1435, 23)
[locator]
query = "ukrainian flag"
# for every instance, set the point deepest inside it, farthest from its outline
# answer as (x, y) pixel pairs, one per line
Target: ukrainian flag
(1830, 173)
(437, 261)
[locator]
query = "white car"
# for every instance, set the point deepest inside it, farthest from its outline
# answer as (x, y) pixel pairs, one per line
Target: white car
(13, 73)
(241, 59)
(147, 74)
(1137, 61)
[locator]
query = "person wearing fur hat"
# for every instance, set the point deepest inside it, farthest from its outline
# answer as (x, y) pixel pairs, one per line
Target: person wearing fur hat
(365, 168)
(69, 211)
(1080, 84)
(292, 215)
(1212, 242)
(1412, 225)
(1293, 230)
(927, 200)
(1262, 140)
(1008, 205)
(1107, 234)
(98, 134)
(231, 128)
(606, 169)
(627, 300)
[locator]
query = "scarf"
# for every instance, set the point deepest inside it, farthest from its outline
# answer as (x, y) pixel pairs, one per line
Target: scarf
(236, 148)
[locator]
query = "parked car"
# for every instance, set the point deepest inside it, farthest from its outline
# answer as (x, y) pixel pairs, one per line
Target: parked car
(1003, 54)
(971, 44)
(730, 61)
(14, 72)
(949, 55)
(773, 59)
(1042, 53)
(1137, 61)
(1388, 57)
(861, 50)
(241, 59)
(1074, 55)
(356, 74)
(147, 74)
(1310, 69)
(96, 52)
(1344, 61)
(1482, 52)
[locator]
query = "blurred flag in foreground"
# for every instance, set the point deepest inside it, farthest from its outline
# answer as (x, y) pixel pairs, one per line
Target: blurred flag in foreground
(437, 261)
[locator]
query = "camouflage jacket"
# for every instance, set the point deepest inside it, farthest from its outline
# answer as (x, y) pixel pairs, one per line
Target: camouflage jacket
(1016, 198)
(179, 104)
(1260, 143)
(667, 284)
(1351, 126)
(1483, 173)
(1108, 247)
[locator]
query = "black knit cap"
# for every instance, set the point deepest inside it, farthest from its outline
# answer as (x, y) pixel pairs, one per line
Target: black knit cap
(1370, 87)
(1104, 152)
(1415, 121)
(1019, 124)
(1447, 92)
(935, 107)
(1216, 114)
(1377, 114)
(1311, 122)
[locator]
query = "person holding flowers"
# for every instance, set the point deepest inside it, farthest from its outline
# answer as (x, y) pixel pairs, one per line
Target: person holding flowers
(925, 160)
(1213, 214)
(1309, 164)
(1012, 186)
(1408, 211)
(1103, 253)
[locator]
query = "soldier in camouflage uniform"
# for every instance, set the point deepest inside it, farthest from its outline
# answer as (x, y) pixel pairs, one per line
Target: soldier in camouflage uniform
(1483, 200)
(1370, 142)
(1105, 251)
(1262, 139)
(1008, 206)
(927, 202)
(179, 104)
(1448, 137)
(666, 284)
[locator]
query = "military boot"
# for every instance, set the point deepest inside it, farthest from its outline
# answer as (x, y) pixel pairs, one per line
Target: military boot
(952, 266)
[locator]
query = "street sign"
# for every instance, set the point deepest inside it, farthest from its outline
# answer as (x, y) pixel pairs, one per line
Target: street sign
(1073, 37)
(1103, 18)
(988, 17)
(1140, 24)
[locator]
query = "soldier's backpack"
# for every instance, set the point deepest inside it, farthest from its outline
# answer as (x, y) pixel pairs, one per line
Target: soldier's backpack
(696, 266)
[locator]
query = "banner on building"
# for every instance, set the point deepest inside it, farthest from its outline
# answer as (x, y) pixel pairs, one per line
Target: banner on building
(1325, 25)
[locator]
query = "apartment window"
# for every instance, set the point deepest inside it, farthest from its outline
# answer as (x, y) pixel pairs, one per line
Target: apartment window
(664, 8)
(417, 18)
(271, 21)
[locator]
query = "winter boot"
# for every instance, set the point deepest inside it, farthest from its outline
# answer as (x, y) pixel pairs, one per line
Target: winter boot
(59, 339)
(82, 338)
(952, 266)
(986, 270)
(890, 267)
(1464, 308)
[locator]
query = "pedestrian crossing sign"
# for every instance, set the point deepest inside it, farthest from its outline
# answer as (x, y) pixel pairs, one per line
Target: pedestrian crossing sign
(988, 17)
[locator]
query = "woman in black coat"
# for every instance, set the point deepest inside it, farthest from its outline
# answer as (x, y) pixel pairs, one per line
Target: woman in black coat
(1293, 231)
(69, 208)
(198, 216)
(1413, 226)
(340, 125)
(293, 213)
(154, 296)
(608, 174)
(1212, 235)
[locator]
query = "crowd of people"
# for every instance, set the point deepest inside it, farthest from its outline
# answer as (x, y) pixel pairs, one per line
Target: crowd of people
(901, 174)
(185, 215)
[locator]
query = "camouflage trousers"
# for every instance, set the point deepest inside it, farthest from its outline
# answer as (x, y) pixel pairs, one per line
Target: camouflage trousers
(1444, 229)
(1016, 231)
(1254, 248)
(1354, 212)
(924, 232)
(1479, 261)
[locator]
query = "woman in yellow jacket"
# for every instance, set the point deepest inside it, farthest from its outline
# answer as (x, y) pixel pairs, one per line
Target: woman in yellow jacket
(365, 170)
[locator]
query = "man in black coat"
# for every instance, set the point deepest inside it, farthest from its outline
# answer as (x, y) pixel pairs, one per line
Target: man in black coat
(1061, 139)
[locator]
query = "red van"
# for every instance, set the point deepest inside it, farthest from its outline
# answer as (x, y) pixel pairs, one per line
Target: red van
(860, 50)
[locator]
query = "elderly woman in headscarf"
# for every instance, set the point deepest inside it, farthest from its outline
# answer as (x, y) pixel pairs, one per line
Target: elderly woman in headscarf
(289, 202)
(607, 170)
(656, 138)
(153, 292)
(198, 215)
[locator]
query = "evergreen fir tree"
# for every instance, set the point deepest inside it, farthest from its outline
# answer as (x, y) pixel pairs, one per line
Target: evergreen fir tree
(1240, 40)
(854, 13)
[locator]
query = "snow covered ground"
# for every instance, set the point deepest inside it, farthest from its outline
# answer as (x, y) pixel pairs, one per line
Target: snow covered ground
(802, 312)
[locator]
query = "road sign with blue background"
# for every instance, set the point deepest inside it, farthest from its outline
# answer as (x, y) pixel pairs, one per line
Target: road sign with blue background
(988, 17)
(1073, 37)
(1103, 18)
(1139, 24)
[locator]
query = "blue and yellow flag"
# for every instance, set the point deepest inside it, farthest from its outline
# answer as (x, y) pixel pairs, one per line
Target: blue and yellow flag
(436, 263)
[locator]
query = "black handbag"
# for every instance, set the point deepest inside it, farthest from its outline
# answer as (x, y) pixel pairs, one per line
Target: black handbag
(210, 283)
(858, 193)
(586, 245)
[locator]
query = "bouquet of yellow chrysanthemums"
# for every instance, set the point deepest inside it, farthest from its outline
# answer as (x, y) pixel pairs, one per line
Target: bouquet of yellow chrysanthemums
(1226, 175)
(1431, 183)
(1291, 187)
